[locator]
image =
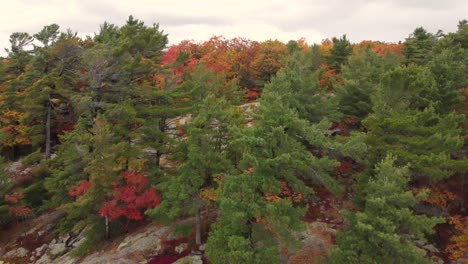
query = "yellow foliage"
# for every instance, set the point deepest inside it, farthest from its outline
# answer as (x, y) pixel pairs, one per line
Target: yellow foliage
(249, 170)
(458, 243)
(209, 194)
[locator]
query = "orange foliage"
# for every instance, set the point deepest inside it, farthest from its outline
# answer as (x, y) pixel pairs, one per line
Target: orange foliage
(286, 193)
(458, 246)
(269, 59)
(13, 129)
(328, 78)
(233, 57)
(302, 43)
(379, 48)
(326, 46)
(440, 198)
(249, 170)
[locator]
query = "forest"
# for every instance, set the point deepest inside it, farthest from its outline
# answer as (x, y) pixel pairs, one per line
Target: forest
(240, 146)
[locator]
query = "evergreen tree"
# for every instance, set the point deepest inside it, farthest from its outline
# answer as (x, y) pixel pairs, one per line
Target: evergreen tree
(52, 79)
(418, 46)
(405, 124)
(298, 86)
(339, 53)
(381, 232)
(253, 208)
(361, 77)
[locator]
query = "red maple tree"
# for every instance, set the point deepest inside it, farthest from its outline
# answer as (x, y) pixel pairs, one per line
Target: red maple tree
(79, 189)
(15, 210)
(132, 194)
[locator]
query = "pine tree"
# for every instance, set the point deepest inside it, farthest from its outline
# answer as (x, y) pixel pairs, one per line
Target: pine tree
(298, 85)
(256, 216)
(339, 53)
(52, 78)
(381, 232)
(406, 124)
(13, 86)
(418, 46)
(205, 153)
(361, 77)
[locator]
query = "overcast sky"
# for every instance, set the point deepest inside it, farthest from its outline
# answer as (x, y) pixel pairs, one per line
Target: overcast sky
(315, 20)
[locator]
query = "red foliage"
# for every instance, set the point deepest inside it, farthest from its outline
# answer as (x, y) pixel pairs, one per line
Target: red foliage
(238, 58)
(346, 166)
(14, 198)
(344, 124)
(79, 189)
(252, 94)
(18, 211)
(131, 195)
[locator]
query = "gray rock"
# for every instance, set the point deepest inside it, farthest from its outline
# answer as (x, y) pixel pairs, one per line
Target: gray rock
(195, 259)
(144, 241)
(17, 253)
(202, 247)
(57, 249)
(431, 248)
(419, 243)
(45, 259)
(41, 249)
(181, 248)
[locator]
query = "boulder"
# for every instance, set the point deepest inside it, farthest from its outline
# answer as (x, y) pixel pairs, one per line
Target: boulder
(193, 259)
(431, 248)
(57, 249)
(181, 248)
(17, 253)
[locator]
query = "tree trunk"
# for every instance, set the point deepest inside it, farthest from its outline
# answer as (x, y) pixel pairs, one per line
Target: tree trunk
(107, 228)
(47, 128)
(197, 227)
(162, 128)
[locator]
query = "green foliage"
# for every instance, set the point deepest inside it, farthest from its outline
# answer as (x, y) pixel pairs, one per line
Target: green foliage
(361, 77)
(274, 150)
(298, 86)
(381, 232)
(339, 53)
(405, 124)
(449, 69)
(79, 112)
(418, 46)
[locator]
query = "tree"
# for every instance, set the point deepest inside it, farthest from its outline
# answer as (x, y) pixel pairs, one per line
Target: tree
(418, 46)
(381, 233)
(361, 77)
(406, 124)
(52, 79)
(204, 154)
(132, 195)
(270, 58)
(339, 53)
(253, 208)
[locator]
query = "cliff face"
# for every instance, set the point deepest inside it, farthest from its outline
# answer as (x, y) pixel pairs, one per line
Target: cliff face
(33, 241)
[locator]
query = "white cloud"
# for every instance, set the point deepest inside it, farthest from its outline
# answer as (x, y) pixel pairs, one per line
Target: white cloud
(387, 20)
